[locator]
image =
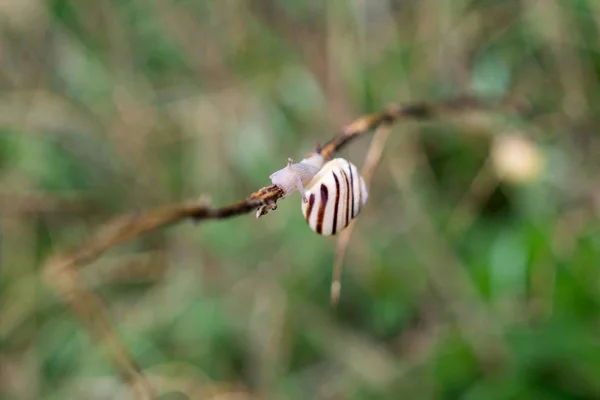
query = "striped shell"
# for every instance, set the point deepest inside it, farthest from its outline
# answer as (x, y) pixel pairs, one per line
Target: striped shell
(336, 195)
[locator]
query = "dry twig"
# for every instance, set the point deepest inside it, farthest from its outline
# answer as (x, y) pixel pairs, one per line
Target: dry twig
(369, 166)
(61, 270)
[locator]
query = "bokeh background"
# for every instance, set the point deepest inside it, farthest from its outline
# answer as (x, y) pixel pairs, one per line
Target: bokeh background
(473, 273)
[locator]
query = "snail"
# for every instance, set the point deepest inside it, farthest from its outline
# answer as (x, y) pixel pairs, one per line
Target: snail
(333, 193)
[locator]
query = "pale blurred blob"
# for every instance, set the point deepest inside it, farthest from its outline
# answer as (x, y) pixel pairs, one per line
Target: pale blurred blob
(516, 159)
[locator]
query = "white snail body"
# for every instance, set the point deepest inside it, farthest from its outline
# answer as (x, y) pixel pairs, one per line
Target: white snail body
(333, 193)
(296, 175)
(336, 195)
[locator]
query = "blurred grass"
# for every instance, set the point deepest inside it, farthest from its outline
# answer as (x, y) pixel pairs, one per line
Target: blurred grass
(108, 107)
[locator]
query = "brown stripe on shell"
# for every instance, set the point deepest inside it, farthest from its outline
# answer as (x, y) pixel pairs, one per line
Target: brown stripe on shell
(347, 214)
(311, 203)
(351, 188)
(337, 203)
(322, 206)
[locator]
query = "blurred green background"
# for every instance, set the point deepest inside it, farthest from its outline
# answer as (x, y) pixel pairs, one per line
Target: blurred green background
(473, 272)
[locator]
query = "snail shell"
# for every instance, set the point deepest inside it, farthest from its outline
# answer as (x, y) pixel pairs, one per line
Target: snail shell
(336, 195)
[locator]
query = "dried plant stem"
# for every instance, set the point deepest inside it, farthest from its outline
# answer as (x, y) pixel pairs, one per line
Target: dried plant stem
(61, 274)
(369, 166)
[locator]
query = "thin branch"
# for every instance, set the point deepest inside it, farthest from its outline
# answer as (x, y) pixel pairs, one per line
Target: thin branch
(60, 271)
(24, 204)
(369, 166)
